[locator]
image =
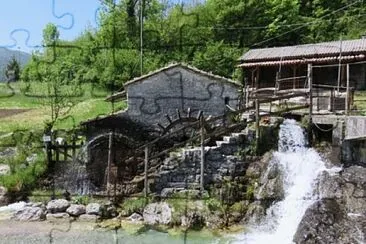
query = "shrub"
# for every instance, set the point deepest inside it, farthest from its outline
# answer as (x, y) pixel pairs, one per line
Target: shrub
(134, 205)
(23, 177)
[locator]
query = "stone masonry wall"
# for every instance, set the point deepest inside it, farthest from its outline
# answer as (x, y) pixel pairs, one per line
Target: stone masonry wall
(150, 99)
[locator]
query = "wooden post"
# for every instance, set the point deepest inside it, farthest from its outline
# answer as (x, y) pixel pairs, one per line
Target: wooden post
(310, 82)
(294, 85)
(202, 155)
(110, 144)
(57, 149)
(257, 78)
(146, 192)
(331, 102)
(73, 146)
(65, 151)
(347, 91)
(247, 97)
(257, 131)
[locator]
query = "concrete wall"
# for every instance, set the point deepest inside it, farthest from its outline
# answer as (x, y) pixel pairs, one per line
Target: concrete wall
(355, 127)
(179, 88)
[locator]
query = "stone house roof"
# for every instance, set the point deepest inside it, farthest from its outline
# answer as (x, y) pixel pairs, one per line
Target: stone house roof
(122, 94)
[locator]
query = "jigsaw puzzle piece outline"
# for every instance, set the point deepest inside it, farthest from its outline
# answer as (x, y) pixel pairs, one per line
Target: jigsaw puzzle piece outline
(53, 7)
(15, 40)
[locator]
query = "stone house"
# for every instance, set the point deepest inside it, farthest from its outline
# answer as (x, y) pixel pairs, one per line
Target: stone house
(155, 101)
(165, 94)
(178, 86)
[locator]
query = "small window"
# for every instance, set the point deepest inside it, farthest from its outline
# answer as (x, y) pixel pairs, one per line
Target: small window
(227, 100)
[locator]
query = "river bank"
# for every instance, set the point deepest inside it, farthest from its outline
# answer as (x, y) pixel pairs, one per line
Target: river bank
(81, 232)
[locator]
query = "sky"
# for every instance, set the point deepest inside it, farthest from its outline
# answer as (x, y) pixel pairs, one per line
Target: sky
(22, 21)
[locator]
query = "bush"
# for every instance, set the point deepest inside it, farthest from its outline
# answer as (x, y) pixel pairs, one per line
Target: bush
(85, 200)
(213, 204)
(23, 177)
(134, 205)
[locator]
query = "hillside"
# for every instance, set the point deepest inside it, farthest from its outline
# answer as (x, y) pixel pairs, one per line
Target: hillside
(6, 55)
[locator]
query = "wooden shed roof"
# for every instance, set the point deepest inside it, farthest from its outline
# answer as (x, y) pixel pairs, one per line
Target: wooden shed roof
(321, 51)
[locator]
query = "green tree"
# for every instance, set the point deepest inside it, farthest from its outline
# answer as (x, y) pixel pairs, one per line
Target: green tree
(217, 58)
(50, 34)
(12, 71)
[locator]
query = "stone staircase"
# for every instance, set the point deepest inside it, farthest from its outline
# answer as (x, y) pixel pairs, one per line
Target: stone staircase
(182, 170)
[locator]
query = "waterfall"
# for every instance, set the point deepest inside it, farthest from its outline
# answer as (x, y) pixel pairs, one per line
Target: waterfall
(299, 167)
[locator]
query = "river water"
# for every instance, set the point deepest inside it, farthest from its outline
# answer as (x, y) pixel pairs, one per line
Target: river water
(12, 232)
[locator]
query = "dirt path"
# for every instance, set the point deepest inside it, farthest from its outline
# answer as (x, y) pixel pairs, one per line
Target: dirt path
(9, 112)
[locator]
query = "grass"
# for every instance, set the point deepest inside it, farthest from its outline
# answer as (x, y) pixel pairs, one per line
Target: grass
(88, 105)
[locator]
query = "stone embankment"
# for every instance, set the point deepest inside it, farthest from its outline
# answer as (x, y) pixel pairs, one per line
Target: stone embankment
(59, 209)
(339, 216)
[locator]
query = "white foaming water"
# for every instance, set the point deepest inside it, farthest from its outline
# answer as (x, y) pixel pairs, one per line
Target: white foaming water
(300, 167)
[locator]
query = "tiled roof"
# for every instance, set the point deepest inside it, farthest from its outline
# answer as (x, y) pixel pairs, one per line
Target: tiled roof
(324, 49)
(120, 95)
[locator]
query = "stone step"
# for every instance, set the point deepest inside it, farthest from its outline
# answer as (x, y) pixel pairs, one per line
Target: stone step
(229, 139)
(221, 143)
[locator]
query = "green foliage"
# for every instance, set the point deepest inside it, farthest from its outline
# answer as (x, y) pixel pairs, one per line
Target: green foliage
(250, 191)
(213, 204)
(211, 35)
(50, 34)
(85, 200)
(23, 176)
(134, 205)
(218, 58)
(239, 207)
(12, 71)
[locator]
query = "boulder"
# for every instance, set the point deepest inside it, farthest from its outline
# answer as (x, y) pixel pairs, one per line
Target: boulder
(321, 223)
(135, 217)
(89, 218)
(109, 210)
(272, 189)
(193, 220)
(215, 221)
(57, 216)
(30, 214)
(157, 213)
(4, 169)
(330, 186)
(4, 200)
(76, 209)
(93, 208)
(8, 212)
(57, 206)
(254, 214)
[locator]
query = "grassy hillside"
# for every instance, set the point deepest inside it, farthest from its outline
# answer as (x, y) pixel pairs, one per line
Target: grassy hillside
(6, 55)
(27, 112)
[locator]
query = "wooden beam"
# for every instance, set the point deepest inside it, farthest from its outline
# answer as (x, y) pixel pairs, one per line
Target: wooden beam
(146, 187)
(202, 155)
(257, 78)
(347, 92)
(257, 131)
(110, 144)
(310, 82)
